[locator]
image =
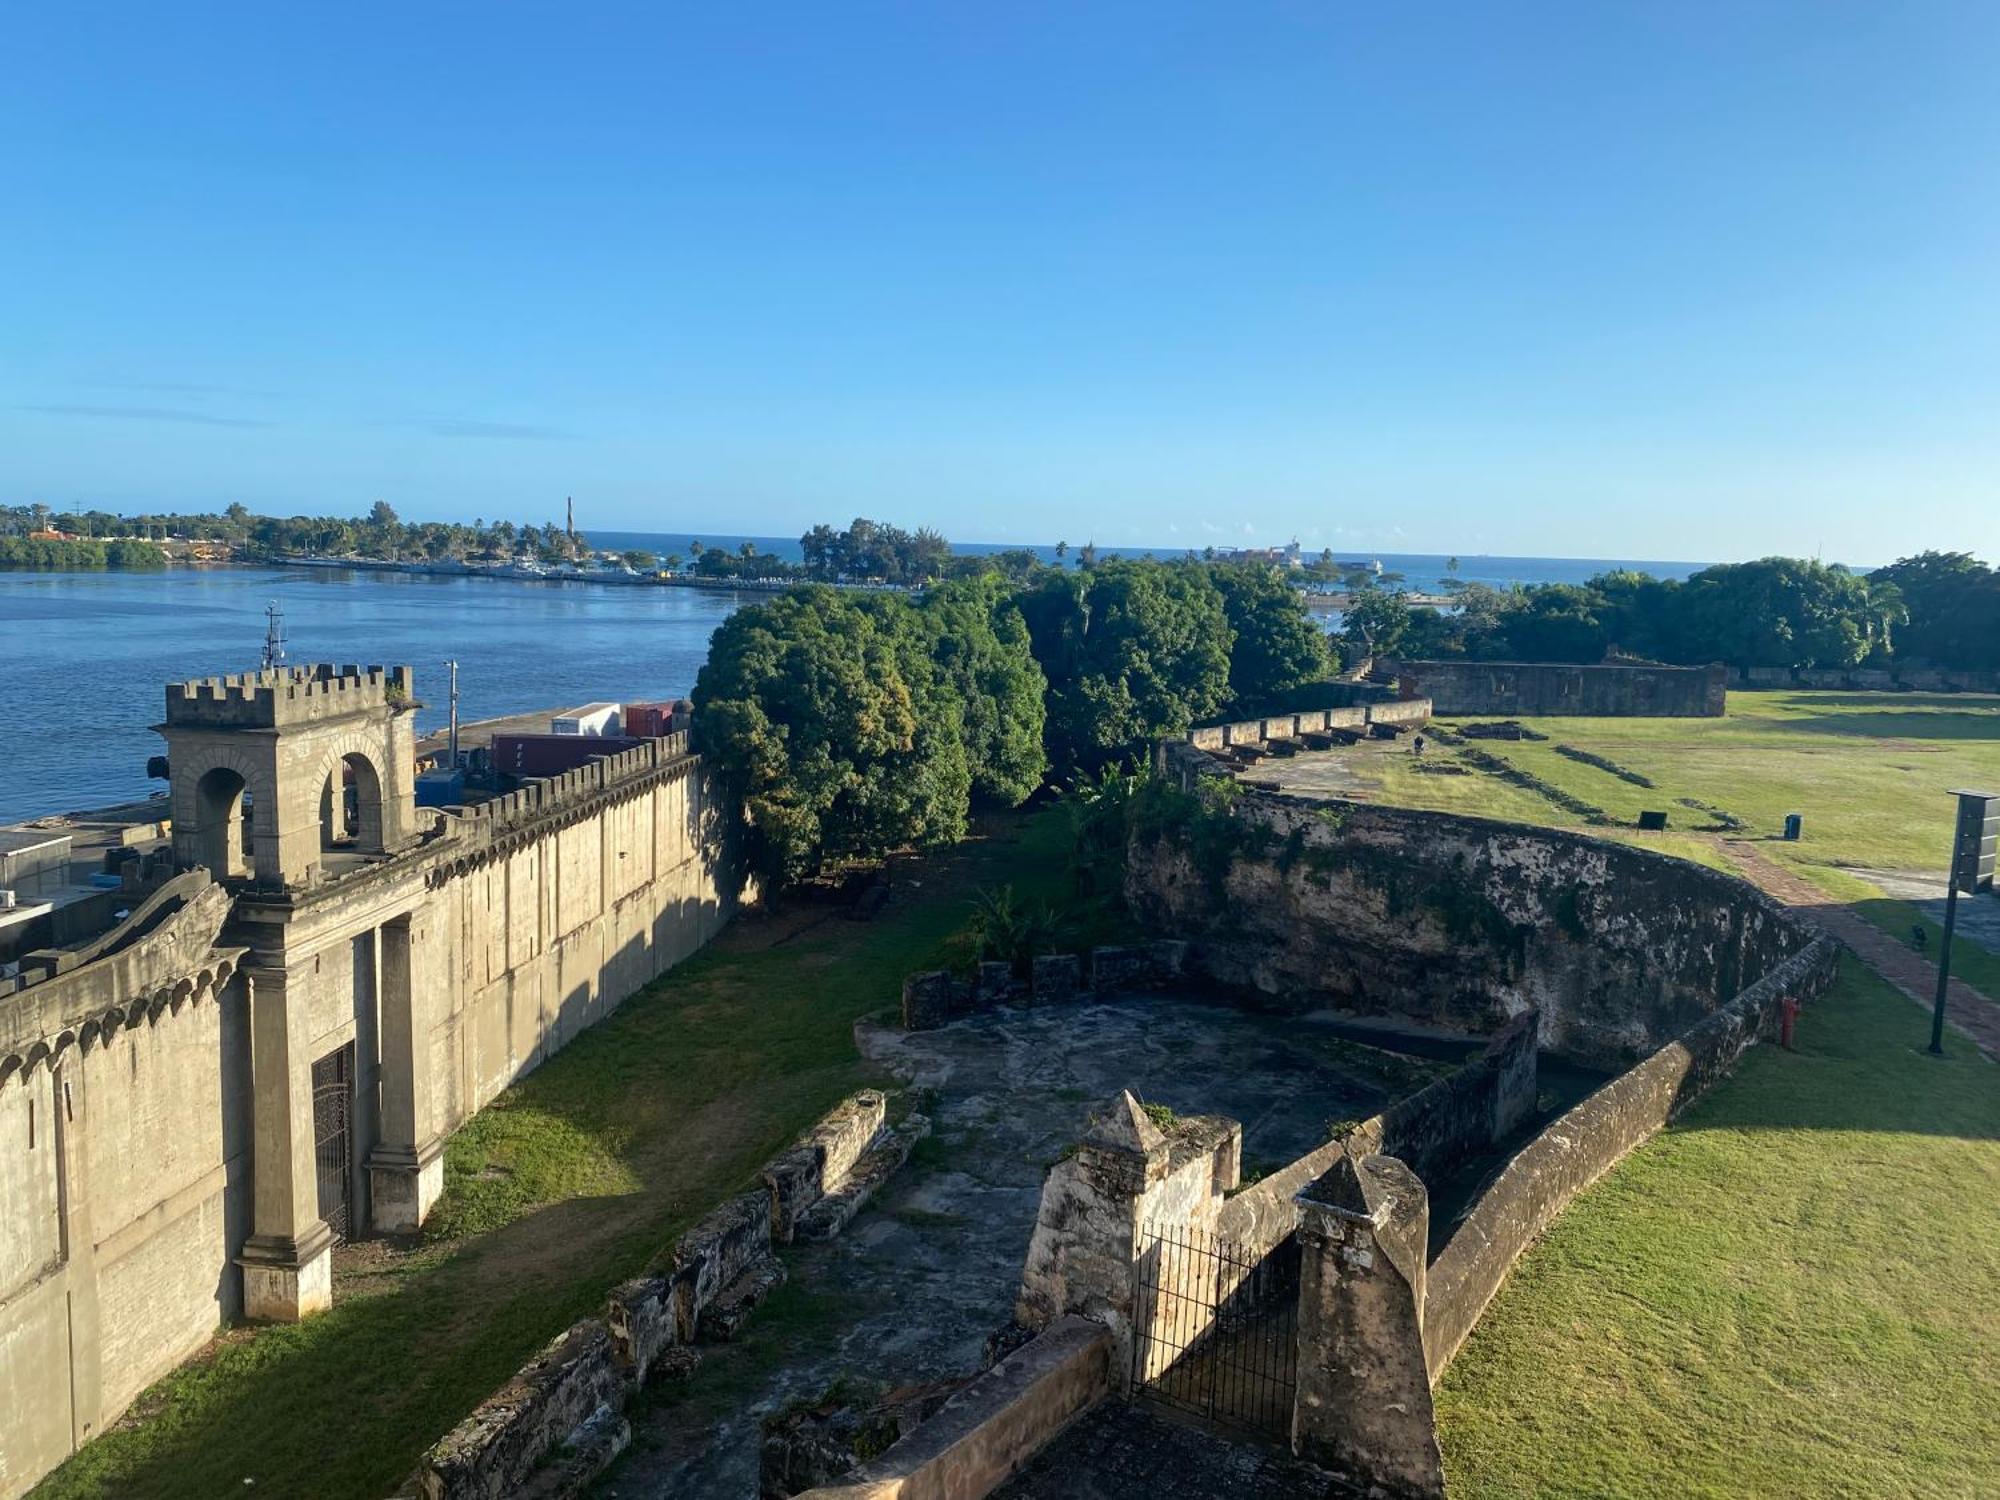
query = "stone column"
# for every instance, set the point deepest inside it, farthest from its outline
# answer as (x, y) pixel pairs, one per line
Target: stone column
(1364, 1392)
(406, 1168)
(288, 1259)
(1095, 1205)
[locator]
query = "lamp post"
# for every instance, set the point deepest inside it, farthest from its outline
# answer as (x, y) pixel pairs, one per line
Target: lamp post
(1973, 848)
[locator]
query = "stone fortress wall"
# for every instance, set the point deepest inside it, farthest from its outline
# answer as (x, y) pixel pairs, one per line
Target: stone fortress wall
(160, 1144)
(1540, 939)
(1613, 689)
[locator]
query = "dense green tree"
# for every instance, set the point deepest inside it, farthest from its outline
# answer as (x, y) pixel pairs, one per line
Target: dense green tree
(1952, 601)
(827, 726)
(1777, 612)
(980, 644)
(1131, 650)
(1279, 647)
(1375, 623)
(1556, 622)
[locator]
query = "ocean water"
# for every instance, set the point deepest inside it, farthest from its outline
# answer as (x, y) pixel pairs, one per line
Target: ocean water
(1421, 571)
(85, 657)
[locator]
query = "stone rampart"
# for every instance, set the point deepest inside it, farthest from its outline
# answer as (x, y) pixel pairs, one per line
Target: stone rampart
(1454, 921)
(1613, 689)
(1585, 1143)
(124, 1184)
(1463, 1114)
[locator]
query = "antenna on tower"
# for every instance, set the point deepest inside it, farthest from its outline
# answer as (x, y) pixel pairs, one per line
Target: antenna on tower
(274, 636)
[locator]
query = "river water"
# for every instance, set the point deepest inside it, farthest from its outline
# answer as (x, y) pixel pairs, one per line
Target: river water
(85, 657)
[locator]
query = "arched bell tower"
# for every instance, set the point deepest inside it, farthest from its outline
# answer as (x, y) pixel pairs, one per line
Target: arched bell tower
(284, 775)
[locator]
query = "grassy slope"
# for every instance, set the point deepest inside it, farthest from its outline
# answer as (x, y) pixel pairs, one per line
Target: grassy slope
(571, 1181)
(1790, 1292)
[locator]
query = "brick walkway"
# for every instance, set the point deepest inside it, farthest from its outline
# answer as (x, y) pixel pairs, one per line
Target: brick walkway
(1967, 1011)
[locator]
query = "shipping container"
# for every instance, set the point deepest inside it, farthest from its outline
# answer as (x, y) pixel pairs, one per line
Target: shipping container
(591, 719)
(441, 789)
(521, 755)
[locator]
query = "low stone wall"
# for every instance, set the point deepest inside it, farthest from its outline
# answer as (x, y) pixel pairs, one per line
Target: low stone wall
(936, 997)
(1590, 1139)
(1898, 679)
(1463, 1114)
(1612, 689)
(569, 1397)
(1288, 731)
(993, 1426)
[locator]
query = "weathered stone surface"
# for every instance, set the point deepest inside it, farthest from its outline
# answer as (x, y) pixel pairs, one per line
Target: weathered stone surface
(494, 1452)
(585, 1454)
(1466, 923)
(1543, 688)
(1126, 1172)
(822, 1158)
(1118, 968)
(926, 1000)
(994, 984)
(715, 1252)
(1364, 1396)
(989, 1429)
(877, 1165)
(1058, 977)
(643, 1318)
(724, 1318)
(1169, 959)
(813, 1444)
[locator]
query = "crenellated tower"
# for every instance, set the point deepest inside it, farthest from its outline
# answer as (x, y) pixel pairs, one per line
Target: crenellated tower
(278, 776)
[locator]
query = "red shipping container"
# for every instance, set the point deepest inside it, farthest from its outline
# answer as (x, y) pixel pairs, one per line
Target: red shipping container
(552, 754)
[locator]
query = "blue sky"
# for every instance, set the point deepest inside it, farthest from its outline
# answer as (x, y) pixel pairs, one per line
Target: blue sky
(1669, 280)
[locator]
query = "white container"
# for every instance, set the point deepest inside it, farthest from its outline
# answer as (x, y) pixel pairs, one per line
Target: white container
(593, 719)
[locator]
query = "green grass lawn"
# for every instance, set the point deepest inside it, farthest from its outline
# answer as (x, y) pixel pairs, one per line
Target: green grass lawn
(1868, 772)
(1793, 1291)
(574, 1179)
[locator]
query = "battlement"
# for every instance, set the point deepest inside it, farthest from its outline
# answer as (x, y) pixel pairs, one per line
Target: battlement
(552, 794)
(286, 696)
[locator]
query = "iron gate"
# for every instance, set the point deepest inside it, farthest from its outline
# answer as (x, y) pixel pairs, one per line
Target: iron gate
(333, 1137)
(1215, 1328)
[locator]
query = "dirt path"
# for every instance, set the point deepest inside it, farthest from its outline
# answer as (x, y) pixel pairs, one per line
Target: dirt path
(1968, 1012)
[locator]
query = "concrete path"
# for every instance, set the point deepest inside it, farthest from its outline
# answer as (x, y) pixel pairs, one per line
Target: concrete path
(1967, 1011)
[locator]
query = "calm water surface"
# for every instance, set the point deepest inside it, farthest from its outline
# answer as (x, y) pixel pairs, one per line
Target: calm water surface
(85, 657)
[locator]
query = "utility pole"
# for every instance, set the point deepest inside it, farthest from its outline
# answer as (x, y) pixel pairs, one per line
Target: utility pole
(1972, 859)
(454, 713)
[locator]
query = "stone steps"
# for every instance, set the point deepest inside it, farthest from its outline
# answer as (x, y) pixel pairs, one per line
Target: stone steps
(878, 1163)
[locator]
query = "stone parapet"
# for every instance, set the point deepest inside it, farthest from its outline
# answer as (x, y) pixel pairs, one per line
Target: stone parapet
(287, 696)
(987, 1431)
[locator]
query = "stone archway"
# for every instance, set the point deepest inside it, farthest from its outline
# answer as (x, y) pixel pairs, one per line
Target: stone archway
(351, 812)
(221, 831)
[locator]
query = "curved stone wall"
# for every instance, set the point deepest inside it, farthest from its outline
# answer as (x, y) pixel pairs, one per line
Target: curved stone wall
(1458, 922)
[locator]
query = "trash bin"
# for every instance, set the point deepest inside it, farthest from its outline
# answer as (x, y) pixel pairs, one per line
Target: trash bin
(1792, 824)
